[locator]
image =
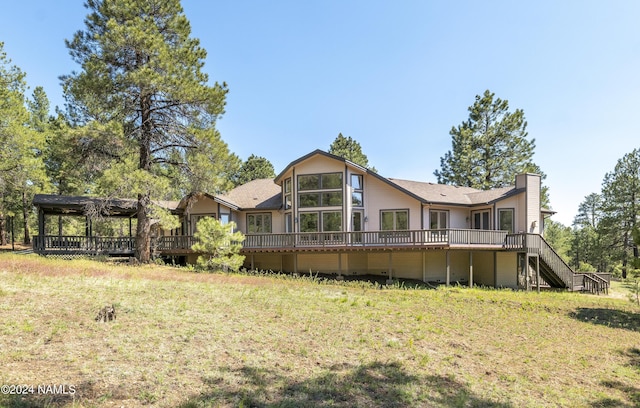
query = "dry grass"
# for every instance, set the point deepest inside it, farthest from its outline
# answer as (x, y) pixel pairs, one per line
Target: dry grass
(199, 340)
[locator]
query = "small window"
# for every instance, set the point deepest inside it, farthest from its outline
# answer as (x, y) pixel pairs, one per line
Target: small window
(356, 199)
(309, 200)
(332, 221)
(287, 194)
(309, 182)
(332, 180)
(309, 222)
(438, 219)
(356, 194)
(395, 220)
(505, 217)
(332, 199)
(481, 220)
(259, 223)
(356, 181)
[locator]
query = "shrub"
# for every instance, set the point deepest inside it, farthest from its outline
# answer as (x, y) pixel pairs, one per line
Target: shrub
(218, 244)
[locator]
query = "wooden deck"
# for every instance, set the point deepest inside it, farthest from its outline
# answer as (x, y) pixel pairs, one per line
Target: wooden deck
(313, 241)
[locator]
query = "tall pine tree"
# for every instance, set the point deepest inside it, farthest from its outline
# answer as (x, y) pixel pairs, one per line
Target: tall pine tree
(142, 77)
(621, 208)
(350, 149)
(489, 148)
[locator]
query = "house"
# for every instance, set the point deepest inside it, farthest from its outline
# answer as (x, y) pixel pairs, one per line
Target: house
(325, 214)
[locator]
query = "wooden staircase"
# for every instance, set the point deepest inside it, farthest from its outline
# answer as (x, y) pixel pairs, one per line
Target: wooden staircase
(555, 271)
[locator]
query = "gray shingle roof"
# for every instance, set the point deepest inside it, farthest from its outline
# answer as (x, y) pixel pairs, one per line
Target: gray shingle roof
(447, 194)
(262, 194)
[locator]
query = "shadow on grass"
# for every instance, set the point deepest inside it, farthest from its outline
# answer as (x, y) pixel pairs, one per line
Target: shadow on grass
(632, 392)
(617, 319)
(372, 385)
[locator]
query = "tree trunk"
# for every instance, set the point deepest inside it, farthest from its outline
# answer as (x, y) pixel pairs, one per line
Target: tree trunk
(25, 216)
(3, 229)
(143, 231)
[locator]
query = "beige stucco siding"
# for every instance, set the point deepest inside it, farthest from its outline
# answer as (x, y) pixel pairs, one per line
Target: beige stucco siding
(506, 266)
(266, 262)
(483, 268)
(436, 266)
(510, 203)
(407, 265)
(323, 263)
(379, 195)
(318, 164)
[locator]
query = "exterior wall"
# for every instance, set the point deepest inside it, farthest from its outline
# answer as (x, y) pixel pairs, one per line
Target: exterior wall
(531, 201)
(458, 216)
(277, 220)
(266, 262)
(483, 268)
(436, 266)
(510, 203)
(381, 196)
(323, 263)
(507, 270)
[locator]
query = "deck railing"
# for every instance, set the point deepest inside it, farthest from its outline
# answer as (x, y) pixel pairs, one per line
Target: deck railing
(82, 244)
(375, 239)
(444, 237)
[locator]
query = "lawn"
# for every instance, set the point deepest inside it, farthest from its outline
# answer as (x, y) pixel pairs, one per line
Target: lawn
(191, 339)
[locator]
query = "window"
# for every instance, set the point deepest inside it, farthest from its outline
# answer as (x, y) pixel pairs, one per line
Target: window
(505, 218)
(329, 199)
(356, 181)
(225, 218)
(309, 200)
(326, 181)
(314, 192)
(309, 182)
(287, 194)
(309, 222)
(259, 223)
(438, 219)
(288, 225)
(324, 221)
(356, 194)
(394, 220)
(333, 180)
(481, 219)
(196, 218)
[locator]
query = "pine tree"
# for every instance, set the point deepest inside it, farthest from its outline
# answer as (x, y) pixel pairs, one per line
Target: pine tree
(21, 165)
(350, 149)
(142, 79)
(488, 149)
(621, 208)
(255, 167)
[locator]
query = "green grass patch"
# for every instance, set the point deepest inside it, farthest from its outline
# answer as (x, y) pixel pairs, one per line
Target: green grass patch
(207, 340)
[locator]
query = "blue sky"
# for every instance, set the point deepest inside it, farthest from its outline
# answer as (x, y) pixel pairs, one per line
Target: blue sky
(396, 76)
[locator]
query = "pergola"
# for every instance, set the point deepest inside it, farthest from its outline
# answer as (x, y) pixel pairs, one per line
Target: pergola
(80, 206)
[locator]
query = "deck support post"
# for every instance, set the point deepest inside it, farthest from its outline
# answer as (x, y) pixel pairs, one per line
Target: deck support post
(340, 277)
(538, 273)
(253, 264)
(424, 266)
(448, 268)
(390, 269)
(470, 269)
(295, 262)
(495, 269)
